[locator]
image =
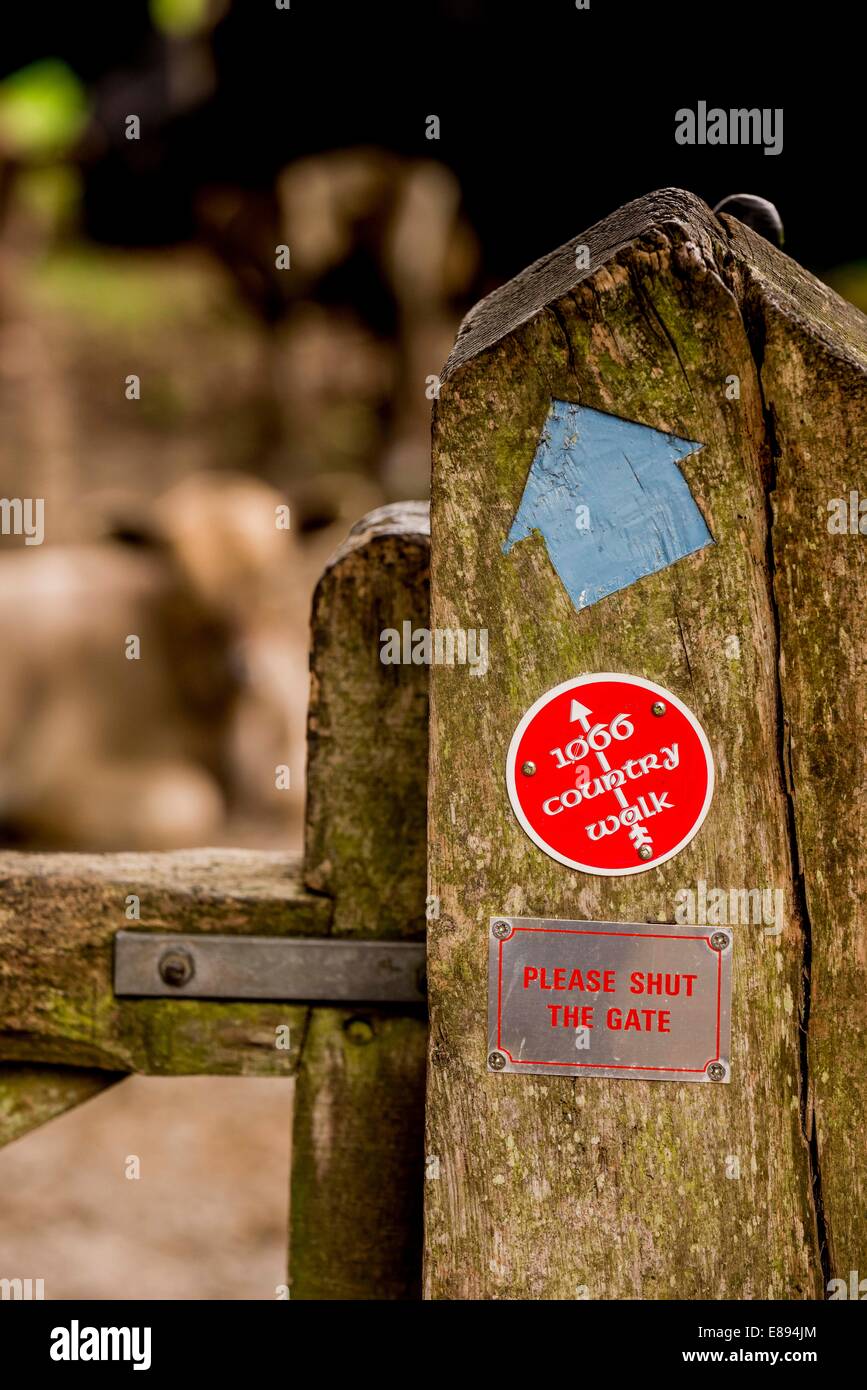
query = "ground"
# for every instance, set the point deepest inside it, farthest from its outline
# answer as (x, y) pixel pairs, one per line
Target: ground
(207, 1219)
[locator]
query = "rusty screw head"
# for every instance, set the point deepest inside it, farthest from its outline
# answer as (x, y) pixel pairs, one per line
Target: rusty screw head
(528, 769)
(501, 930)
(645, 852)
(176, 966)
(658, 707)
(496, 1061)
(358, 1031)
(719, 940)
(716, 1071)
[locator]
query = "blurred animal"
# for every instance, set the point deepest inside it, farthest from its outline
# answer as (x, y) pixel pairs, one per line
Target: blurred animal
(100, 752)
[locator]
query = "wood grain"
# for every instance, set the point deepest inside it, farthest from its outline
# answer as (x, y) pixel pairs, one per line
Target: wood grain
(58, 917)
(811, 349)
(562, 1188)
(358, 1158)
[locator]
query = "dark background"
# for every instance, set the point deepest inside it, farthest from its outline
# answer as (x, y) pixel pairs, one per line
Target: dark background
(551, 117)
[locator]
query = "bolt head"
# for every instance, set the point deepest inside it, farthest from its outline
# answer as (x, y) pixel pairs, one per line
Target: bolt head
(496, 1061)
(658, 708)
(645, 852)
(716, 1071)
(719, 940)
(358, 1031)
(501, 930)
(528, 769)
(176, 967)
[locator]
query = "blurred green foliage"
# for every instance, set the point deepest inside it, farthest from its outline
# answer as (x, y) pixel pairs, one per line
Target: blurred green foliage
(101, 287)
(179, 16)
(43, 110)
(850, 281)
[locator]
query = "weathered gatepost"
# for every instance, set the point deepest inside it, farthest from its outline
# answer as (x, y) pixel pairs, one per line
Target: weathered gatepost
(636, 448)
(357, 1142)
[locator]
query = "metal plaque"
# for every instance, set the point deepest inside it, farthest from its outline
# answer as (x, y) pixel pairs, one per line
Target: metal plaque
(641, 1001)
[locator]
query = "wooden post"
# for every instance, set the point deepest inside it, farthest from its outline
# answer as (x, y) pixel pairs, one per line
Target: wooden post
(357, 1149)
(553, 1187)
(811, 356)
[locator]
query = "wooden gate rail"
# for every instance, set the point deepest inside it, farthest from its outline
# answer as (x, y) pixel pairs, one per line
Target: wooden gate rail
(357, 1140)
(59, 917)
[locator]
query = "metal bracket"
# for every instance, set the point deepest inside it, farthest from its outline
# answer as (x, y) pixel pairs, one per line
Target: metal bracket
(284, 969)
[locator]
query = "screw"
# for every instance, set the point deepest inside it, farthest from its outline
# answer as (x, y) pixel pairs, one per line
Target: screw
(528, 769)
(645, 852)
(501, 930)
(719, 940)
(657, 708)
(716, 1071)
(496, 1061)
(177, 966)
(358, 1031)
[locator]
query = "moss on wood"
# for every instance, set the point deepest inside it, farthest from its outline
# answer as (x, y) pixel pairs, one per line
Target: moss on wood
(811, 350)
(58, 918)
(553, 1186)
(357, 1153)
(30, 1096)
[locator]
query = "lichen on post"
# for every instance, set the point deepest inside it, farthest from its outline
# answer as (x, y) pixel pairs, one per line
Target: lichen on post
(553, 1187)
(357, 1147)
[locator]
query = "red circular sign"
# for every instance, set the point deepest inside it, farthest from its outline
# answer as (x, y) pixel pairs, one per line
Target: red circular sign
(610, 774)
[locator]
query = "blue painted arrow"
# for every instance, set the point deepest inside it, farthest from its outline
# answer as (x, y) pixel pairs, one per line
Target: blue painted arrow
(640, 513)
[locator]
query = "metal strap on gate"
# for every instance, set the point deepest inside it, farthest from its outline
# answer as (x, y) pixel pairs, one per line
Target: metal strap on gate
(284, 969)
